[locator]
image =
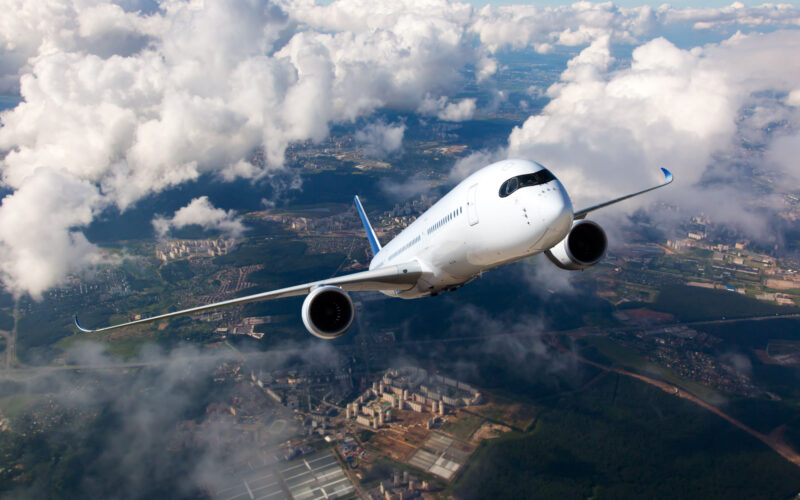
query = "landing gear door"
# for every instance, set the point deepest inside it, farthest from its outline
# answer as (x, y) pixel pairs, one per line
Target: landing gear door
(472, 207)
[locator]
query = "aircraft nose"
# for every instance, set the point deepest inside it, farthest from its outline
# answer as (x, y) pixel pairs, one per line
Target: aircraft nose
(563, 212)
(558, 205)
(558, 216)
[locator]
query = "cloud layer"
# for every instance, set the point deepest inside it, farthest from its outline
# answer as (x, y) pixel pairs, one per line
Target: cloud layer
(606, 130)
(160, 426)
(128, 103)
(126, 99)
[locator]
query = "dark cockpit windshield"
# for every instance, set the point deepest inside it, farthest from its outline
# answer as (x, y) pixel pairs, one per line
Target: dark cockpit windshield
(541, 177)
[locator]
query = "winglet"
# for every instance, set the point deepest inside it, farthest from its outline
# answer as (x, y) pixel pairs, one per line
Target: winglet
(81, 328)
(373, 240)
(581, 214)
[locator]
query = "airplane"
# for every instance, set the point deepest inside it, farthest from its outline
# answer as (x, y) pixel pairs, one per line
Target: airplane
(500, 214)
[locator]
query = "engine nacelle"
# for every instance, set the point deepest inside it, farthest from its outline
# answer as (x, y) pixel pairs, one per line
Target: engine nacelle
(584, 246)
(328, 312)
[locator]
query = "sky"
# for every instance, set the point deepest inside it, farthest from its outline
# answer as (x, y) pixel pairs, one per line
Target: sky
(126, 99)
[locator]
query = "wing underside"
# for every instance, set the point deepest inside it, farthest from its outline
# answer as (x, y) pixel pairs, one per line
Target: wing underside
(400, 277)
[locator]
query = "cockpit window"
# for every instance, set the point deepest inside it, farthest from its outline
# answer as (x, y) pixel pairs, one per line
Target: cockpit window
(541, 177)
(509, 187)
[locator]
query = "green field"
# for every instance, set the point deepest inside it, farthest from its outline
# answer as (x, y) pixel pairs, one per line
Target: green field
(690, 303)
(464, 426)
(623, 439)
(627, 358)
(14, 405)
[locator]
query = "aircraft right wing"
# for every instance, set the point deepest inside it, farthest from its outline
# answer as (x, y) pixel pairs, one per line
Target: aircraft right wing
(399, 277)
(581, 214)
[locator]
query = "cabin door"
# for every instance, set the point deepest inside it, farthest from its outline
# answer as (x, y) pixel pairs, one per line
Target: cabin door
(472, 207)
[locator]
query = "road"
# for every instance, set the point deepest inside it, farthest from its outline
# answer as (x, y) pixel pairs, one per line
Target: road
(773, 441)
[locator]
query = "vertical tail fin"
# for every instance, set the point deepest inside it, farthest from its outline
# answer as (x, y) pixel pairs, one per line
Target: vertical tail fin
(373, 240)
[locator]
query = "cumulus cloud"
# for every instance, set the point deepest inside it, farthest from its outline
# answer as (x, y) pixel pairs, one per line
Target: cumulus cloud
(521, 26)
(380, 139)
(458, 112)
(448, 111)
(581, 23)
(37, 244)
(201, 212)
(606, 131)
(135, 98)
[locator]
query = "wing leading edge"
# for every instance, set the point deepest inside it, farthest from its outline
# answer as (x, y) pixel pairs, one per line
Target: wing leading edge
(581, 214)
(400, 277)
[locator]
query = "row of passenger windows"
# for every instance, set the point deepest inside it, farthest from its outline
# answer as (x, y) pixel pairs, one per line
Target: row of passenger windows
(541, 177)
(406, 246)
(444, 220)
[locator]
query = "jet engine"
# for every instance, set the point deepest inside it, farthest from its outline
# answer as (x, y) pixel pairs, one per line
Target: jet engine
(584, 246)
(328, 312)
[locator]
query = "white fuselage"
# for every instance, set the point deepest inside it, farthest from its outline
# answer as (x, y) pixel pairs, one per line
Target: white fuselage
(473, 229)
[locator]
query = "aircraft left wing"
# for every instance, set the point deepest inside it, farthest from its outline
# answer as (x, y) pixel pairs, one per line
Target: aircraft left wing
(399, 277)
(581, 214)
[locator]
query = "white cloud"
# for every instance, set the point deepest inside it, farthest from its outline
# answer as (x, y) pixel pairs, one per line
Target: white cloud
(131, 98)
(520, 26)
(542, 28)
(447, 111)
(38, 246)
(793, 99)
(202, 213)
(736, 14)
(381, 139)
(785, 152)
(458, 112)
(605, 131)
(544, 279)
(134, 102)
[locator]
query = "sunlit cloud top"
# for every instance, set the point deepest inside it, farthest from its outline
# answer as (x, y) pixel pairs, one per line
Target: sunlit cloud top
(125, 99)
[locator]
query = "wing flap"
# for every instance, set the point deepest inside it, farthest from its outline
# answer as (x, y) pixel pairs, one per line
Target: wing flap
(399, 277)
